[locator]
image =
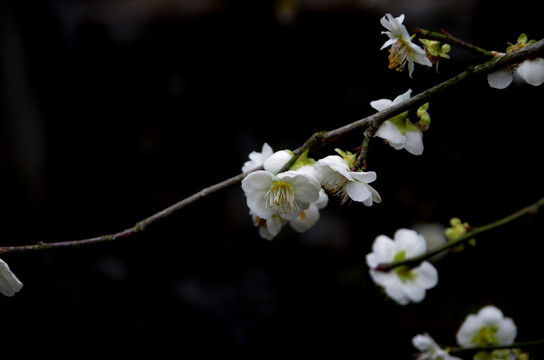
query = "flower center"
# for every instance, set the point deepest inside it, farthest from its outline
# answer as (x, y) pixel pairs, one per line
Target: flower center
(281, 198)
(398, 54)
(404, 272)
(486, 336)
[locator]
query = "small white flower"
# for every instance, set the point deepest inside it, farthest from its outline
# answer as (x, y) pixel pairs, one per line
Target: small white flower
(402, 50)
(399, 132)
(257, 159)
(268, 228)
(402, 284)
(336, 177)
(487, 328)
(430, 349)
(285, 194)
(531, 71)
(9, 284)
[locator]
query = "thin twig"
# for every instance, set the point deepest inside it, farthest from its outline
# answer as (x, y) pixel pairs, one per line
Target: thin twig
(531, 209)
(519, 345)
(446, 37)
(318, 139)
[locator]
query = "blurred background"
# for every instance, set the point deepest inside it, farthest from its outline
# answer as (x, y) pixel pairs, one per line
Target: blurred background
(113, 110)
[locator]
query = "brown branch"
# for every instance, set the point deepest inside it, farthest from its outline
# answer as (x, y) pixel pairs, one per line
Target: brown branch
(316, 140)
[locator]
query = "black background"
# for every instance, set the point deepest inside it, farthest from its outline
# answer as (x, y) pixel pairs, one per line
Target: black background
(114, 110)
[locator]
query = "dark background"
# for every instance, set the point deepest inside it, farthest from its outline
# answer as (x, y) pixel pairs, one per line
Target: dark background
(114, 110)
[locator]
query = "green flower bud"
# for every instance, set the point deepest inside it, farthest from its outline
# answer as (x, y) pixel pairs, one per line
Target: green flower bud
(457, 230)
(424, 117)
(349, 158)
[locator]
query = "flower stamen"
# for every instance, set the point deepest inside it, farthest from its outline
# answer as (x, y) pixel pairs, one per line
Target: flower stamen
(336, 185)
(281, 198)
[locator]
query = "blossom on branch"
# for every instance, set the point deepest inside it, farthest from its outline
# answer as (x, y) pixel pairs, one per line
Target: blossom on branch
(399, 131)
(337, 178)
(285, 194)
(430, 349)
(530, 71)
(9, 284)
(487, 328)
(403, 284)
(403, 50)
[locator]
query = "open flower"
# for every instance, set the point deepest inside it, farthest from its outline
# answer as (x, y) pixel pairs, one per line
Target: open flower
(337, 178)
(398, 131)
(487, 328)
(403, 284)
(9, 284)
(256, 159)
(403, 50)
(285, 194)
(430, 349)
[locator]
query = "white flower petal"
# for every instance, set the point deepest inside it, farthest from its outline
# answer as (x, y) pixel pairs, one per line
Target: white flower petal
(255, 187)
(490, 315)
(411, 242)
(403, 97)
(364, 176)
(469, 328)
(381, 104)
(414, 142)
(257, 159)
(500, 79)
(532, 71)
(358, 191)
(413, 291)
(390, 132)
(507, 332)
(277, 161)
(427, 275)
(306, 219)
(323, 199)
(9, 283)
(383, 250)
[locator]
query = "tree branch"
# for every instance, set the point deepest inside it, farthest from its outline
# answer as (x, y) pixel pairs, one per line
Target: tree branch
(316, 140)
(531, 209)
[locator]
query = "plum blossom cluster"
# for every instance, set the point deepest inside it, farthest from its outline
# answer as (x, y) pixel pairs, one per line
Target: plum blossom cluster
(487, 328)
(404, 51)
(530, 71)
(296, 196)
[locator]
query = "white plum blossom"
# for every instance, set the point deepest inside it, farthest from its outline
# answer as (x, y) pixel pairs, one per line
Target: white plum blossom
(398, 131)
(256, 159)
(530, 71)
(403, 284)
(337, 178)
(269, 228)
(403, 50)
(9, 284)
(430, 349)
(488, 327)
(285, 194)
